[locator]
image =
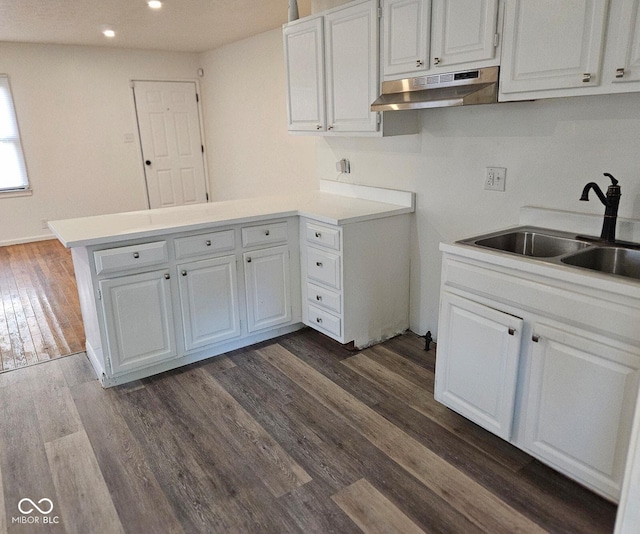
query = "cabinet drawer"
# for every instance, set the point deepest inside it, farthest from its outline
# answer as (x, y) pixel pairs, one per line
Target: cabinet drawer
(209, 243)
(324, 298)
(131, 257)
(264, 234)
(324, 321)
(323, 267)
(323, 235)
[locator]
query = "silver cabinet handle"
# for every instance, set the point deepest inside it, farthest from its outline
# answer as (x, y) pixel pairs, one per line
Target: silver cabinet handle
(136, 255)
(319, 263)
(318, 126)
(436, 61)
(330, 127)
(318, 234)
(248, 260)
(318, 320)
(184, 273)
(586, 77)
(167, 276)
(266, 232)
(535, 338)
(419, 63)
(319, 298)
(512, 331)
(620, 73)
(208, 243)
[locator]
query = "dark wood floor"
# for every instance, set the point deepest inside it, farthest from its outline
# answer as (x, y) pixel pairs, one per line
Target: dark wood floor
(293, 435)
(39, 310)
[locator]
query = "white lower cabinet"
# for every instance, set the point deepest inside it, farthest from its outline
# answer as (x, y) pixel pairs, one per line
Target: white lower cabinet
(477, 366)
(268, 287)
(579, 404)
(552, 366)
(209, 301)
(138, 317)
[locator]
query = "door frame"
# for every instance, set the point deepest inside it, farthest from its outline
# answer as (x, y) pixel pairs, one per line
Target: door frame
(200, 119)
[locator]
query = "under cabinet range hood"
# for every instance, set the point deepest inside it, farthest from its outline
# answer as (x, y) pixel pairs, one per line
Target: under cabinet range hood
(462, 88)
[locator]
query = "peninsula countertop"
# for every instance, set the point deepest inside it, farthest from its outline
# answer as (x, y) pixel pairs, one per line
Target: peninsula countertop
(333, 204)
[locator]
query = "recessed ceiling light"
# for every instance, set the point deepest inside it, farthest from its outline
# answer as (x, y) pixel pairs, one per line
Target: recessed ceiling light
(108, 33)
(154, 4)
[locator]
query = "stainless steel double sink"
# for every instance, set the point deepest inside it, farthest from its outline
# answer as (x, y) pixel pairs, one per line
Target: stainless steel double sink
(619, 259)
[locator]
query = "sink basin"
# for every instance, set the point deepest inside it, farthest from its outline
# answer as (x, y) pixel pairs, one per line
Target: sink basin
(613, 260)
(528, 243)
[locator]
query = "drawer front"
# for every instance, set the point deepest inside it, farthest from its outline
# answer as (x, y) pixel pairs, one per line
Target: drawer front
(324, 298)
(264, 234)
(324, 321)
(323, 267)
(131, 257)
(323, 235)
(209, 243)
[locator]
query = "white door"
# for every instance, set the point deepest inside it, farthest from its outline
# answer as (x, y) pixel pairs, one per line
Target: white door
(405, 36)
(464, 31)
(552, 44)
(351, 55)
(139, 320)
(172, 149)
(304, 64)
(477, 364)
(268, 287)
(583, 429)
(627, 51)
(208, 298)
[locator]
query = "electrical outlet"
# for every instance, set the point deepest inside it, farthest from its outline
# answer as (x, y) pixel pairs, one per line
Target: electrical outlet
(495, 178)
(128, 138)
(44, 222)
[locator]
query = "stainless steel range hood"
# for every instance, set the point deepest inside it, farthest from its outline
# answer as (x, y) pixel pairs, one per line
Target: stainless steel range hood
(462, 88)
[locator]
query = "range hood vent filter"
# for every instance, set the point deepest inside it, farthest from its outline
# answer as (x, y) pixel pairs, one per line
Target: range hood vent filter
(463, 88)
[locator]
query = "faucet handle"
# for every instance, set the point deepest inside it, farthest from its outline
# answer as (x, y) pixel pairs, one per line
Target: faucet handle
(613, 180)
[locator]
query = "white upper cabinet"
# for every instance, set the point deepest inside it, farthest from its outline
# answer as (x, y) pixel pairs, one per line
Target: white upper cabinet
(625, 64)
(464, 32)
(351, 54)
(304, 65)
(552, 44)
(406, 27)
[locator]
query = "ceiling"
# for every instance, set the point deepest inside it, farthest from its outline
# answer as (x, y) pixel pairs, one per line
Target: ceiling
(181, 25)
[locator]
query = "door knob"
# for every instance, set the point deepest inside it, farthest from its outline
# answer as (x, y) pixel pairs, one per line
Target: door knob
(147, 162)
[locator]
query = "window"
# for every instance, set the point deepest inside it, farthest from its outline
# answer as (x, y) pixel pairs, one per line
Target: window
(13, 172)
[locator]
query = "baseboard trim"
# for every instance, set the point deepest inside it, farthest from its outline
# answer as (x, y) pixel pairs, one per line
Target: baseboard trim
(24, 240)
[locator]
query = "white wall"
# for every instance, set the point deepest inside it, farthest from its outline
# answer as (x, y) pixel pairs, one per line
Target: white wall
(249, 150)
(551, 149)
(74, 106)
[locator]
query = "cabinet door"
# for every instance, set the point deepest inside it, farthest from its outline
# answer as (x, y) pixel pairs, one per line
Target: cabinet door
(582, 429)
(552, 44)
(208, 299)
(405, 36)
(351, 53)
(138, 320)
(477, 362)
(268, 287)
(304, 65)
(463, 31)
(627, 50)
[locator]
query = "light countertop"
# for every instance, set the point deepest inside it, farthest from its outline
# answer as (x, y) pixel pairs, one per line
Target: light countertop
(323, 206)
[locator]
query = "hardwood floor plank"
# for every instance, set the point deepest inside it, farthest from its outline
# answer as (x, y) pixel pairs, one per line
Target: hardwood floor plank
(3, 512)
(53, 403)
(411, 347)
(23, 460)
(136, 494)
(278, 471)
(372, 511)
(77, 369)
(82, 493)
(473, 500)
(407, 369)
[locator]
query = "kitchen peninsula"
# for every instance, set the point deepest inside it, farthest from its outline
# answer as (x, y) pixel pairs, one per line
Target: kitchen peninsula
(166, 287)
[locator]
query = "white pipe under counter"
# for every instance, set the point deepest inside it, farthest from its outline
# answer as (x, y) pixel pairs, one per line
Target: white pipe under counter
(163, 288)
